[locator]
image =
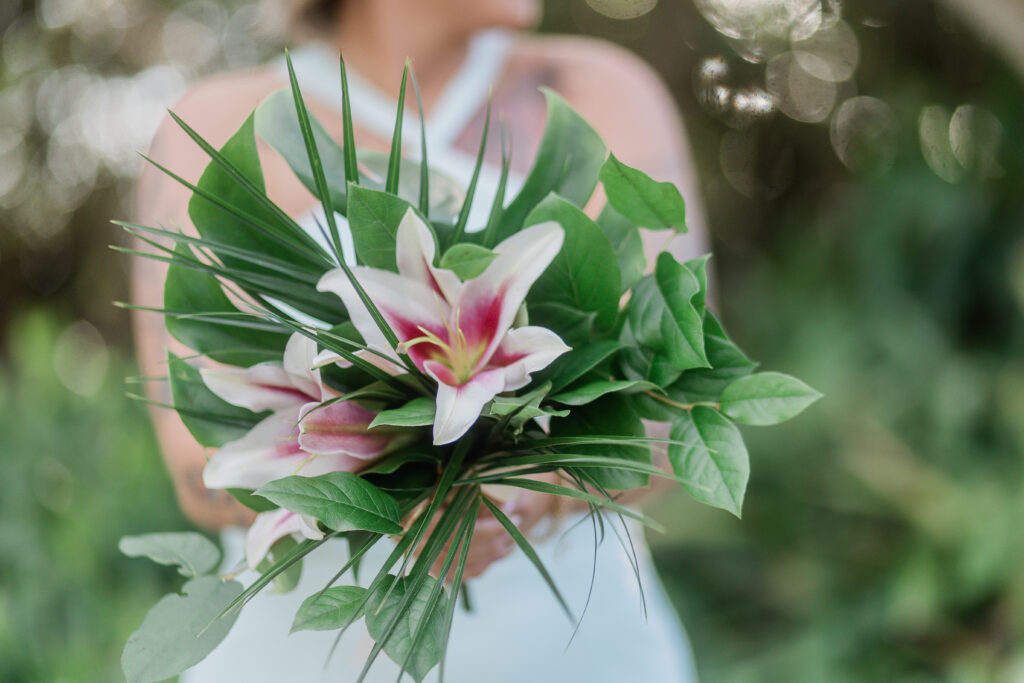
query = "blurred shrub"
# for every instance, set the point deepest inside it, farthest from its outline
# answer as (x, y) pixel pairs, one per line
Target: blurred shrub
(78, 469)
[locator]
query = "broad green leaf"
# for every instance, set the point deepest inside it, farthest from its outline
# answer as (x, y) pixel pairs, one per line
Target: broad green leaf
(189, 291)
(571, 324)
(699, 268)
(211, 420)
(373, 217)
(418, 412)
(585, 273)
(567, 163)
(330, 610)
(611, 414)
(627, 243)
(570, 367)
(766, 398)
(467, 260)
(180, 630)
(645, 202)
(341, 500)
(587, 393)
(216, 223)
(192, 553)
(683, 328)
(643, 364)
(254, 503)
(382, 608)
(712, 462)
(278, 124)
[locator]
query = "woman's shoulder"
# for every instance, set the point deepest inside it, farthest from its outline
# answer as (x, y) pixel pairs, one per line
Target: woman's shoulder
(618, 92)
(217, 104)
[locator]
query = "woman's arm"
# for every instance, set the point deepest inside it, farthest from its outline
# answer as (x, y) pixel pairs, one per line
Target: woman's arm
(215, 109)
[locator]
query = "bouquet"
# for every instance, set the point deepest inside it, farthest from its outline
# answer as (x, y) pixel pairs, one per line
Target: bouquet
(400, 390)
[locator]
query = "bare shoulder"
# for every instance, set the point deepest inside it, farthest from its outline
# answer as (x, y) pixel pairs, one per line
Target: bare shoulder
(615, 90)
(215, 107)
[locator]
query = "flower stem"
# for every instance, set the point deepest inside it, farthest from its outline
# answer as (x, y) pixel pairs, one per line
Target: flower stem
(682, 406)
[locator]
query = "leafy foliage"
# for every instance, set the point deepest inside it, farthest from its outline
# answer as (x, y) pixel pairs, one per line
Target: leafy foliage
(662, 355)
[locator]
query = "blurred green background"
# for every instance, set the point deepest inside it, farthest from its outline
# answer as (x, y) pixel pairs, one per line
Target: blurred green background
(863, 167)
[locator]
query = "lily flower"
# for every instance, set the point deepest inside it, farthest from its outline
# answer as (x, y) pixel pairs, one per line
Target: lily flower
(458, 333)
(309, 432)
(270, 527)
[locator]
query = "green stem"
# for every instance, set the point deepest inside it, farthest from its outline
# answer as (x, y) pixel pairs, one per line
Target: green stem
(682, 406)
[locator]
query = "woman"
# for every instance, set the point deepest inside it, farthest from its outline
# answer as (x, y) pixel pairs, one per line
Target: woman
(461, 50)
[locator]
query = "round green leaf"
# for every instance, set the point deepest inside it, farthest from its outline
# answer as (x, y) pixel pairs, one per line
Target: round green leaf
(766, 398)
(192, 553)
(712, 461)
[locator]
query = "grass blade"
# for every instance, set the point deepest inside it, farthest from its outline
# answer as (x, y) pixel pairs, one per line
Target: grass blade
(424, 203)
(315, 163)
(499, 198)
(348, 134)
(395, 159)
(528, 549)
(460, 224)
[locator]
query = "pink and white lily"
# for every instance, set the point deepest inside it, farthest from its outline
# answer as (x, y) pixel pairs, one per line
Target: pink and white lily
(458, 333)
(302, 435)
(308, 433)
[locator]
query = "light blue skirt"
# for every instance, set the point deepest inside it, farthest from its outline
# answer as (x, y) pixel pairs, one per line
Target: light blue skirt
(515, 633)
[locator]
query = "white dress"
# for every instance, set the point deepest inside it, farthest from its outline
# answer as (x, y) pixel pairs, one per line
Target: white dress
(516, 632)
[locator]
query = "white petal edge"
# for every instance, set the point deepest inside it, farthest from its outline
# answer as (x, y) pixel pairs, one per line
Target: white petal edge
(458, 407)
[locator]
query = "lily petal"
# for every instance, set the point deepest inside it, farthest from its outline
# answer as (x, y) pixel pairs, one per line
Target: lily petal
(525, 350)
(299, 360)
(270, 527)
(269, 451)
(488, 303)
(340, 429)
(459, 405)
(407, 306)
(262, 387)
(415, 250)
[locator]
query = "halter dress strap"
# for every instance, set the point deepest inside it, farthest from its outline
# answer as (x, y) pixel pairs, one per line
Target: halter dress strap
(316, 65)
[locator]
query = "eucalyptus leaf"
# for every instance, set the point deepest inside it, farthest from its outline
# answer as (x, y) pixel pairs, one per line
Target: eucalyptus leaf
(331, 609)
(211, 420)
(645, 202)
(766, 398)
(341, 500)
(418, 412)
(467, 260)
(192, 553)
(180, 630)
(712, 461)
(585, 273)
(382, 608)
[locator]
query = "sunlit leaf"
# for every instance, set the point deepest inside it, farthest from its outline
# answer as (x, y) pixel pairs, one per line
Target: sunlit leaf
(341, 500)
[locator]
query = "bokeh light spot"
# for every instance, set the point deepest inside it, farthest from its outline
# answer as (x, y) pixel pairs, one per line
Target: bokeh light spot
(864, 134)
(80, 358)
(622, 9)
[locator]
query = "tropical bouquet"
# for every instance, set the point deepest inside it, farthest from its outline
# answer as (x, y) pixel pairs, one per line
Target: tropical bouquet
(401, 385)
